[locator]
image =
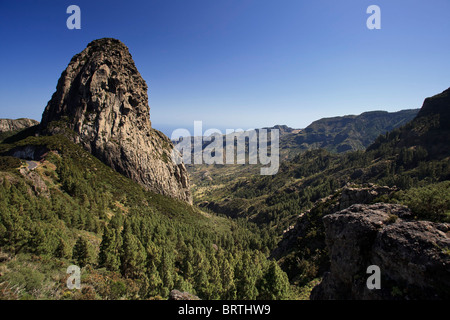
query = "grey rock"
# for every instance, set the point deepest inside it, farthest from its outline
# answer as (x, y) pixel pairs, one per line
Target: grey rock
(178, 295)
(413, 256)
(352, 195)
(16, 124)
(29, 152)
(37, 184)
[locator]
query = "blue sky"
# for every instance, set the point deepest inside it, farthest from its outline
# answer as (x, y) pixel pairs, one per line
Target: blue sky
(237, 63)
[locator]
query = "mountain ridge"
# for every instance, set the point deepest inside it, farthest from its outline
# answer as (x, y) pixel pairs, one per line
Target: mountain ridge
(430, 129)
(336, 134)
(350, 132)
(16, 124)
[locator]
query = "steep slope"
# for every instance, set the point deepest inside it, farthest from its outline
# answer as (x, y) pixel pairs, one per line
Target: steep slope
(430, 129)
(102, 98)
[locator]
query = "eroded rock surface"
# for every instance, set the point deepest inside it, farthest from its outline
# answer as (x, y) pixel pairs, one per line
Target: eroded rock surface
(102, 97)
(413, 256)
(16, 124)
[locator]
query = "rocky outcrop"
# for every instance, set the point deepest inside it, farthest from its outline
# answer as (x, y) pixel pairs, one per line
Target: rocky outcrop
(102, 98)
(178, 295)
(413, 256)
(437, 105)
(36, 183)
(352, 195)
(17, 124)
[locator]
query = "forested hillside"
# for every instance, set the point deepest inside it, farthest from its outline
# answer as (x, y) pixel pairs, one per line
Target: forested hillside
(62, 206)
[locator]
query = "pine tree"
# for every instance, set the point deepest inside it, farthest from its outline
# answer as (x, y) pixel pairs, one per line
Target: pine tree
(246, 274)
(274, 284)
(227, 277)
(17, 228)
(43, 239)
(109, 255)
(188, 271)
(133, 256)
(63, 249)
(154, 280)
(187, 261)
(166, 270)
(215, 280)
(201, 283)
(81, 252)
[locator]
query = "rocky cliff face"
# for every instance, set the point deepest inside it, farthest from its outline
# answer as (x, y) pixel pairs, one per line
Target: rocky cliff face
(17, 124)
(102, 97)
(413, 256)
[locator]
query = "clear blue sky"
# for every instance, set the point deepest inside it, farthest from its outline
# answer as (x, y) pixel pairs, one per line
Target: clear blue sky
(237, 63)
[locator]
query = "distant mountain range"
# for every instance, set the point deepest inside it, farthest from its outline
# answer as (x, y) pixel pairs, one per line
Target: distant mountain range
(337, 134)
(346, 133)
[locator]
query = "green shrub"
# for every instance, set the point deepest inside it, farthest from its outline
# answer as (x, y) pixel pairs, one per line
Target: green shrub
(8, 163)
(29, 279)
(431, 202)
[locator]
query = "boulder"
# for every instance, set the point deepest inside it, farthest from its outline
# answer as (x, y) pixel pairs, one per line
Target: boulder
(413, 256)
(102, 99)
